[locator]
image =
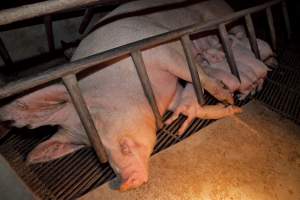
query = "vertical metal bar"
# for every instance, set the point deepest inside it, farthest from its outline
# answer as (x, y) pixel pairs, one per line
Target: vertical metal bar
(87, 17)
(228, 52)
(271, 27)
(187, 47)
(49, 32)
(71, 84)
(4, 54)
(286, 19)
(146, 84)
(252, 35)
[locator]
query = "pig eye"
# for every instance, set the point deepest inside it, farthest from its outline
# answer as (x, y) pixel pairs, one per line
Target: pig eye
(125, 149)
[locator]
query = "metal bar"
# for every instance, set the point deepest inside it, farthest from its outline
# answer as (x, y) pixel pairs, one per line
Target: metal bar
(252, 36)
(271, 27)
(142, 73)
(49, 32)
(24, 12)
(85, 63)
(187, 47)
(228, 52)
(87, 17)
(286, 19)
(71, 84)
(11, 15)
(4, 54)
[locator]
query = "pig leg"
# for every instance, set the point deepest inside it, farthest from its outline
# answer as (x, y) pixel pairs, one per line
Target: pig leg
(36, 109)
(176, 99)
(60, 144)
(48, 106)
(189, 106)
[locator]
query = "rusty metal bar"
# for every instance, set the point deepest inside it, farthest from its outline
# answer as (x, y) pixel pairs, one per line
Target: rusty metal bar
(286, 19)
(228, 52)
(252, 35)
(4, 54)
(24, 12)
(87, 17)
(85, 63)
(271, 27)
(146, 84)
(11, 15)
(187, 47)
(71, 84)
(49, 32)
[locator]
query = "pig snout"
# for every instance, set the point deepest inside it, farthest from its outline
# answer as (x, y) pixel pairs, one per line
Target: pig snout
(133, 180)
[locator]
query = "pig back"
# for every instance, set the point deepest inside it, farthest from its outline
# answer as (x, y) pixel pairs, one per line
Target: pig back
(172, 14)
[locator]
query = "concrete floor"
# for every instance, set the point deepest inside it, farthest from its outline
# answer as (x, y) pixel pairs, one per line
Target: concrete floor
(254, 155)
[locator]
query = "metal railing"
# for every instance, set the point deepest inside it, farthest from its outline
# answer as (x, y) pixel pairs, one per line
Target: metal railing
(67, 72)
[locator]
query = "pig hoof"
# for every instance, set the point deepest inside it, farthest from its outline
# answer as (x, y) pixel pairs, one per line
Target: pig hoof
(271, 62)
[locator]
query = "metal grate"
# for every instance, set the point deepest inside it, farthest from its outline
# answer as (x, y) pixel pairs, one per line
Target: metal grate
(281, 92)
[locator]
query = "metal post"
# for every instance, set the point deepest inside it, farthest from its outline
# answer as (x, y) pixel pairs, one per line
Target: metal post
(271, 27)
(286, 19)
(71, 84)
(4, 54)
(49, 32)
(187, 47)
(252, 36)
(142, 73)
(228, 52)
(87, 17)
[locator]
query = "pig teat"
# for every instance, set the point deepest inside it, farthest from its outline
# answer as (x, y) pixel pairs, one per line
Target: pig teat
(213, 55)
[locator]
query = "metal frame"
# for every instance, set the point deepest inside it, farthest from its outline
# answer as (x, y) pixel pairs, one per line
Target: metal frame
(67, 72)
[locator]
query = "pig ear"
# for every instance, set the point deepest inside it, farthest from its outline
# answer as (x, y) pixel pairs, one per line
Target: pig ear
(51, 149)
(44, 98)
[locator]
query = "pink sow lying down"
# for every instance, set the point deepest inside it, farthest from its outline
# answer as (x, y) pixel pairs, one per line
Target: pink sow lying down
(115, 97)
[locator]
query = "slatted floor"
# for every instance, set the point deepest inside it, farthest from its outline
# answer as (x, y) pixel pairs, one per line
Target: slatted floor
(74, 175)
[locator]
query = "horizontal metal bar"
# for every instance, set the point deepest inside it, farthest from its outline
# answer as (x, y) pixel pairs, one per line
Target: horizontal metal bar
(29, 11)
(71, 84)
(187, 47)
(49, 32)
(11, 15)
(286, 19)
(271, 27)
(228, 52)
(85, 63)
(146, 84)
(252, 35)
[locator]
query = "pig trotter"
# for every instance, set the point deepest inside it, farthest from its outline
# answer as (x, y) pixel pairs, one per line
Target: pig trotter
(194, 110)
(58, 145)
(189, 106)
